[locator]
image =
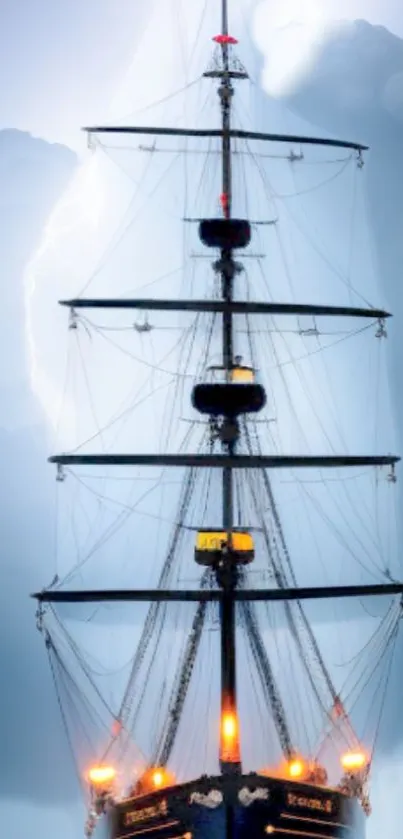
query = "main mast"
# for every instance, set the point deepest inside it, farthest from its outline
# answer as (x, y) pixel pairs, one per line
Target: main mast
(227, 573)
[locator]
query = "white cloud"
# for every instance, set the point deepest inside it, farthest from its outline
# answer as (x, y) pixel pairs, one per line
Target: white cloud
(289, 32)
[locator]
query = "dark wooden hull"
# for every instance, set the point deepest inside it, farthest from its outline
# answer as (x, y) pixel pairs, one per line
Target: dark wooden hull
(239, 807)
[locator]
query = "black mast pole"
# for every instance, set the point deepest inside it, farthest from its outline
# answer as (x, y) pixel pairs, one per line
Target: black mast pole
(227, 574)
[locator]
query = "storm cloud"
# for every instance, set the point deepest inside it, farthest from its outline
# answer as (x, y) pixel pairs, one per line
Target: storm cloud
(33, 174)
(355, 91)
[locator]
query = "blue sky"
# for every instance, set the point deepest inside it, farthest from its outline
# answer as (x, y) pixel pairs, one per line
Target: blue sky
(60, 62)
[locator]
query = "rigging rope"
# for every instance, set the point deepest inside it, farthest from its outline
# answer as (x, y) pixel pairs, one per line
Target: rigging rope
(182, 681)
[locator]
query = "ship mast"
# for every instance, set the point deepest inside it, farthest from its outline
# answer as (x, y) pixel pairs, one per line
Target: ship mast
(227, 575)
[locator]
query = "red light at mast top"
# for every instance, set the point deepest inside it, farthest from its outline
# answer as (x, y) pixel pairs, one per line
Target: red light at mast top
(225, 39)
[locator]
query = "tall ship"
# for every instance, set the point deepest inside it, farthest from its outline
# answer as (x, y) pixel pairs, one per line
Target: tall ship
(218, 715)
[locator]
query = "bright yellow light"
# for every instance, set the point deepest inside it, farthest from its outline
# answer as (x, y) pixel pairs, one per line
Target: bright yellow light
(229, 726)
(157, 777)
(353, 760)
(229, 737)
(296, 768)
(101, 774)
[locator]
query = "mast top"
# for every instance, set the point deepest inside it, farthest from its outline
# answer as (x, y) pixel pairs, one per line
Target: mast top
(224, 17)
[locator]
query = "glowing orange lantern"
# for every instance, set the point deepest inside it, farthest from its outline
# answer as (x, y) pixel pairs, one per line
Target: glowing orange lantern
(156, 777)
(229, 740)
(296, 768)
(353, 761)
(101, 775)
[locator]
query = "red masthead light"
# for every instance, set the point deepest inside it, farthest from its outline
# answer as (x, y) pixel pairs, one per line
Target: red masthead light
(224, 201)
(225, 39)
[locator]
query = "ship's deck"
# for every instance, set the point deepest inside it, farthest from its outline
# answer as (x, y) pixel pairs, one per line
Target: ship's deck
(239, 807)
